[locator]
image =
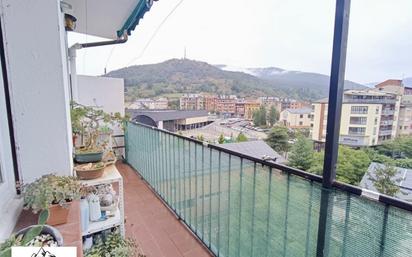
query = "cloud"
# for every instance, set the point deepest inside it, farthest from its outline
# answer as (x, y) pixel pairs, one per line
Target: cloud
(293, 34)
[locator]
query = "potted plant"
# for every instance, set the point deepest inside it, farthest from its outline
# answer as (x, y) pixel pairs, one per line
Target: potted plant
(89, 123)
(39, 235)
(90, 170)
(115, 245)
(53, 193)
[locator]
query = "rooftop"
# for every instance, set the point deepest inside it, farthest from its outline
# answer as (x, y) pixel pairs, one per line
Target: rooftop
(300, 111)
(257, 149)
(163, 115)
(390, 82)
(404, 176)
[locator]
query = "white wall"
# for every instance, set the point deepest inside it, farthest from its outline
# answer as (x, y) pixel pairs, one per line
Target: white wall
(107, 93)
(36, 60)
(10, 205)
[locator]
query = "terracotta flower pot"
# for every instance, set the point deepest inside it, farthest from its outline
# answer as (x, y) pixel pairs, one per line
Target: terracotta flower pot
(58, 214)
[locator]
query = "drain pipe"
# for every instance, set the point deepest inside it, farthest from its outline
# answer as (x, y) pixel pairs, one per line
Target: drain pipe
(72, 61)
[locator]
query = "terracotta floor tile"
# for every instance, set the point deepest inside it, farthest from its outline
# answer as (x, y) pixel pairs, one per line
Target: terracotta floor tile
(156, 229)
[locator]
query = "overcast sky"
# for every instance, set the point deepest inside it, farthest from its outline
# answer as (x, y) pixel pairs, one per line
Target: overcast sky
(292, 34)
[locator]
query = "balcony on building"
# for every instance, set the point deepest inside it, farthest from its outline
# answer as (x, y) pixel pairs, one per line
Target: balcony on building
(183, 197)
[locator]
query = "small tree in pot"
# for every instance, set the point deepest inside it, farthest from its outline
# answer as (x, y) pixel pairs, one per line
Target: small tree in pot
(53, 193)
(89, 123)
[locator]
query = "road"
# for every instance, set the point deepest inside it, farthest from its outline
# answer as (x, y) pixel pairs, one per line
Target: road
(227, 127)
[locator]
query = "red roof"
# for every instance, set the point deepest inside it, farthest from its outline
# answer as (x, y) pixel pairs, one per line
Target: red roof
(390, 82)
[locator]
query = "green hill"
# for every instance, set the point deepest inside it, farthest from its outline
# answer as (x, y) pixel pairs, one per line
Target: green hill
(178, 76)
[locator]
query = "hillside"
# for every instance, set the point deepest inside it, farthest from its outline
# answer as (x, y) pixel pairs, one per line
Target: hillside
(295, 81)
(177, 76)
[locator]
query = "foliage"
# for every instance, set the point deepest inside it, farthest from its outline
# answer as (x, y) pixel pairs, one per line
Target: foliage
(200, 137)
(221, 139)
(301, 155)
(397, 148)
(380, 158)
(259, 116)
(278, 139)
(90, 122)
(50, 189)
(384, 179)
(273, 115)
(351, 166)
(115, 246)
(24, 240)
(241, 138)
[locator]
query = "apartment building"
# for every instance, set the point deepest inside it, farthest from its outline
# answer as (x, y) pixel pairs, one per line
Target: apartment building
(282, 104)
(296, 118)
(150, 104)
(405, 111)
(192, 102)
(226, 104)
(210, 103)
(369, 117)
(250, 108)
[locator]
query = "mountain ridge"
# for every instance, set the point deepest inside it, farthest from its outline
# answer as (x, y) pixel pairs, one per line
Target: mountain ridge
(178, 76)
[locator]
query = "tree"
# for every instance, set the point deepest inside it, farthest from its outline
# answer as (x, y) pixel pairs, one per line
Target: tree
(273, 115)
(352, 165)
(384, 179)
(278, 139)
(221, 139)
(301, 155)
(200, 137)
(259, 116)
(241, 138)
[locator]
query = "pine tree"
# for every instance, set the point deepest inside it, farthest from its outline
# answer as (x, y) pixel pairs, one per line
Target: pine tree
(273, 116)
(221, 139)
(384, 179)
(278, 139)
(301, 155)
(241, 137)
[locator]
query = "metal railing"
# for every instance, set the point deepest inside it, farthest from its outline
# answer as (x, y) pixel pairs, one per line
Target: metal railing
(238, 205)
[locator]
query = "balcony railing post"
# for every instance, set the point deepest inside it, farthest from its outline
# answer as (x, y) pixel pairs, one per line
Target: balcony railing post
(336, 89)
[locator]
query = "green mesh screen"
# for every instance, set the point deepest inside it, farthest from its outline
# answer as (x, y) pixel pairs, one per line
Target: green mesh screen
(241, 208)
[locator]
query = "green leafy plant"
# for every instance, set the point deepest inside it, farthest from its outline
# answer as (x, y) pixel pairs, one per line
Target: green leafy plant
(50, 189)
(241, 138)
(24, 239)
(115, 246)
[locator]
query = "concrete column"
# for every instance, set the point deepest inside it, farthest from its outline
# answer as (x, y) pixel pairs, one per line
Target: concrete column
(36, 62)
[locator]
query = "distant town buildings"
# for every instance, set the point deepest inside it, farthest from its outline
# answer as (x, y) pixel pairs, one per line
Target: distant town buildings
(296, 118)
(192, 102)
(150, 104)
(369, 117)
(282, 104)
(232, 106)
(172, 120)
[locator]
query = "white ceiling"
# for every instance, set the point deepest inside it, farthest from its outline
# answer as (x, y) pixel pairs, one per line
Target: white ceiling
(101, 18)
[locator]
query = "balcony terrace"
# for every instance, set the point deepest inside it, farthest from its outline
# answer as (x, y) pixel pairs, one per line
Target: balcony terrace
(241, 206)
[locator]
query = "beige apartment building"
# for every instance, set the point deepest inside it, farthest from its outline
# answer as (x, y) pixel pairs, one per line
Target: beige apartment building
(369, 117)
(405, 111)
(296, 118)
(192, 102)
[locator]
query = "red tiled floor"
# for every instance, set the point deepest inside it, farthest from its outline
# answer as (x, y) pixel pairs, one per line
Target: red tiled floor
(155, 228)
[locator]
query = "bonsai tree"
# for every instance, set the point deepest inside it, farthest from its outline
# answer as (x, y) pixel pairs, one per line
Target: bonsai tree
(89, 123)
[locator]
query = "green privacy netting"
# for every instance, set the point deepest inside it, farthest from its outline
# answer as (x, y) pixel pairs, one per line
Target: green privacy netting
(241, 208)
